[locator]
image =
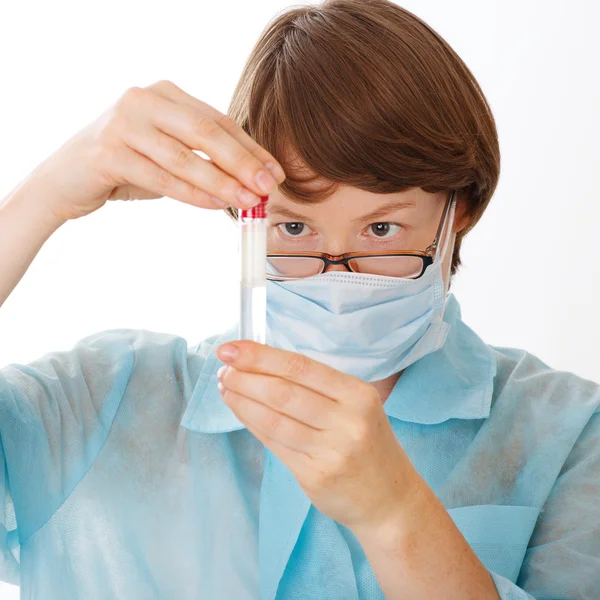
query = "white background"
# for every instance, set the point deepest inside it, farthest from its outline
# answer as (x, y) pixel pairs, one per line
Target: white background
(531, 275)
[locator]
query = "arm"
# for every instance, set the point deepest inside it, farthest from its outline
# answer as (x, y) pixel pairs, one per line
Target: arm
(24, 228)
(422, 554)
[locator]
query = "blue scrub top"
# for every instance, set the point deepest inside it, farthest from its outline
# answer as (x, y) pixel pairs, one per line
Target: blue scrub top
(123, 475)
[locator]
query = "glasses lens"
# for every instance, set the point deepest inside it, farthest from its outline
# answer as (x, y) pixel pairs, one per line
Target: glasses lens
(393, 266)
(292, 267)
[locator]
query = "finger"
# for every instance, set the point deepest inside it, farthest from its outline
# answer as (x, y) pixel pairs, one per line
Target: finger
(296, 462)
(201, 132)
(272, 424)
(175, 93)
(136, 169)
(178, 159)
(282, 395)
(260, 358)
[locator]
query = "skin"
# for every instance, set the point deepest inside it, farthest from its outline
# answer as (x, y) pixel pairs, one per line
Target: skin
(329, 428)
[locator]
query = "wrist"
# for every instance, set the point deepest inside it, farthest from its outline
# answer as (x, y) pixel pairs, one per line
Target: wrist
(27, 202)
(390, 527)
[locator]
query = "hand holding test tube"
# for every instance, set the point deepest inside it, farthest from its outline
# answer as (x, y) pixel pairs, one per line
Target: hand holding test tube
(253, 281)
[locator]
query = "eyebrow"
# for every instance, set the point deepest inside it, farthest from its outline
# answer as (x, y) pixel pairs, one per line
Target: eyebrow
(382, 211)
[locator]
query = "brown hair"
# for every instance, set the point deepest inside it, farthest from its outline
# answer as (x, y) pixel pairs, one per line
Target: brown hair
(364, 93)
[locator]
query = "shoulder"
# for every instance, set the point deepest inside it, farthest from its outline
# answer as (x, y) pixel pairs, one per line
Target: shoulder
(544, 397)
(155, 353)
(518, 369)
(141, 342)
(107, 360)
(144, 339)
(136, 339)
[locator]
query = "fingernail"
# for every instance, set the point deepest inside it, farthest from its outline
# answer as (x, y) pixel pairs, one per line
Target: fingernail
(248, 198)
(276, 171)
(221, 372)
(227, 352)
(218, 202)
(265, 182)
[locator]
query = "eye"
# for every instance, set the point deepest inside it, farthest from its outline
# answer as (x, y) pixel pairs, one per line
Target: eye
(384, 230)
(294, 229)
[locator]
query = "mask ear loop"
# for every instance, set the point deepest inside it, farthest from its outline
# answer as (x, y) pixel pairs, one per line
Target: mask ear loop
(447, 240)
(446, 234)
(451, 249)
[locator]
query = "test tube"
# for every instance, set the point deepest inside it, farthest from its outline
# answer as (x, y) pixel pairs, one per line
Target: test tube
(253, 280)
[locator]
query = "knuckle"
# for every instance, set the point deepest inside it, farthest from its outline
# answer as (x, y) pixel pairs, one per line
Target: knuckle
(226, 122)
(222, 182)
(163, 85)
(133, 97)
(205, 127)
(273, 423)
(284, 396)
(181, 157)
(163, 178)
(296, 365)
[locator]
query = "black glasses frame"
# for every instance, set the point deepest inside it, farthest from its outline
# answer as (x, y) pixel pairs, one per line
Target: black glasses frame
(426, 256)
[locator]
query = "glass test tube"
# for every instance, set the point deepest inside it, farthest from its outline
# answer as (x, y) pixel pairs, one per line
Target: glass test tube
(253, 282)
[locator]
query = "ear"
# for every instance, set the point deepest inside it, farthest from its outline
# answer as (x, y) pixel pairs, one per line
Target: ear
(461, 216)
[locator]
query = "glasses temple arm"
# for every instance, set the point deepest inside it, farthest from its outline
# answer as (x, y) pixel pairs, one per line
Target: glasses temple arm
(439, 232)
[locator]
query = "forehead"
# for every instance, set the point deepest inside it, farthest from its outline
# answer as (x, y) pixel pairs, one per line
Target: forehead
(340, 200)
(350, 203)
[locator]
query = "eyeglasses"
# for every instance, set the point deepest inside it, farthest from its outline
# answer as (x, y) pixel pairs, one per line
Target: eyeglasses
(409, 264)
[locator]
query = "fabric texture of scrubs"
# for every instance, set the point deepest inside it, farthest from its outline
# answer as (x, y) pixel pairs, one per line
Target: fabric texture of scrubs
(123, 475)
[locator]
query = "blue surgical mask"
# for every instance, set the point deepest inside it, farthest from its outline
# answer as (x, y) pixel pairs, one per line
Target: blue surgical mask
(369, 326)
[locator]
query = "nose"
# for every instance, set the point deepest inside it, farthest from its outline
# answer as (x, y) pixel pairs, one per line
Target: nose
(336, 247)
(337, 256)
(331, 268)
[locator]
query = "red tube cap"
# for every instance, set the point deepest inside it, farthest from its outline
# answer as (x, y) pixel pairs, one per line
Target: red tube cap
(256, 212)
